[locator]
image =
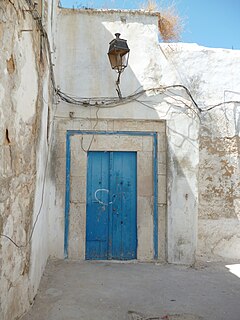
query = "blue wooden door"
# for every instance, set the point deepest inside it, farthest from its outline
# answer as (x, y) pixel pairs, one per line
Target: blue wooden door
(111, 229)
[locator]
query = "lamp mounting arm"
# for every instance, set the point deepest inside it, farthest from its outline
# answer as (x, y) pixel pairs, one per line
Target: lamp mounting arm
(118, 85)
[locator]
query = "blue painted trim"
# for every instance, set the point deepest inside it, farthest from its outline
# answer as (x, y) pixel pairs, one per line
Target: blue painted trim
(110, 218)
(155, 191)
(67, 194)
(155, 178)
(127, 133)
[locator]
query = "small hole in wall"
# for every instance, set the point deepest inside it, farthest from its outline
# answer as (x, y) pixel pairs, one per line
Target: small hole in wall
(11, 65)
(7, 139)
(123, 19)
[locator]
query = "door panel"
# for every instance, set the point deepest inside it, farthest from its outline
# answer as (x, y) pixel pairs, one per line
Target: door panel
(111, 205)
(97, 205)
(123, 187)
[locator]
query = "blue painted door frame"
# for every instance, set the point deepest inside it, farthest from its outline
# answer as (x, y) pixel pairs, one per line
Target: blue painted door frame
(111, 222)
(71, 133)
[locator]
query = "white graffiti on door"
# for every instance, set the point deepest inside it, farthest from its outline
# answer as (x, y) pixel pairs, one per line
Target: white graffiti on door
(99, 198)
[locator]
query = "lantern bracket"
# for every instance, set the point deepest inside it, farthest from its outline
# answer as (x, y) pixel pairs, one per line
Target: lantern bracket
(118, 85)
(118, 56)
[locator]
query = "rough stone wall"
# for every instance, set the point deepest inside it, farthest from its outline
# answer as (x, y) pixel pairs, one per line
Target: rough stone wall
(23, 144)
(219, 215)
(219, 169)
(212, 77)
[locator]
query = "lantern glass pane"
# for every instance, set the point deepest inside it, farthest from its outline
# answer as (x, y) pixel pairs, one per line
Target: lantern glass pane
(125, 60)
(118, 60)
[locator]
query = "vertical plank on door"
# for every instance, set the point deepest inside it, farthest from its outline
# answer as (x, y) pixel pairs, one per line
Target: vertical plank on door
(97, 205)
(124, 208)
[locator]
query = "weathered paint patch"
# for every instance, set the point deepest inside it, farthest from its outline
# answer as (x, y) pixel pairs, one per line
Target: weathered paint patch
(10, 65)
(219, 177)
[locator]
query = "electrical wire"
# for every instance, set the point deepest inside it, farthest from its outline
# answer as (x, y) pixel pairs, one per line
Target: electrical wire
(38, 20)
(42, 197)
(93, 136)
(220, 104)
(36, 16)
(114, 102)
(100, 102)
(108, 102)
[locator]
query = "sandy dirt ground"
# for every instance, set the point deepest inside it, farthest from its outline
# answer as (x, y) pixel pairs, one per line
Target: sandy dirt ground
(136, 291)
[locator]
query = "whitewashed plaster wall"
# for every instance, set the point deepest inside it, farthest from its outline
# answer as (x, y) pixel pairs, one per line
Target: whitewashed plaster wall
(83, 70)
(212, 76)
(24, 107)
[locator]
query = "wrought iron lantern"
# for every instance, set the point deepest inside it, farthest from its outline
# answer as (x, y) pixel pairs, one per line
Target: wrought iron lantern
(118, 56)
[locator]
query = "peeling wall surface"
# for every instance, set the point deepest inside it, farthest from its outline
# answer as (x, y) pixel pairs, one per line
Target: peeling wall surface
(212, 77)
(219, 215)
(24, 82)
